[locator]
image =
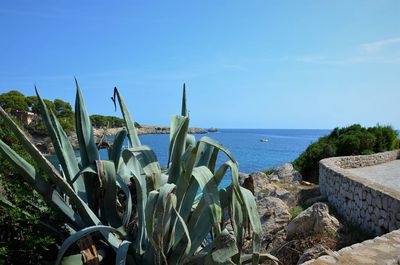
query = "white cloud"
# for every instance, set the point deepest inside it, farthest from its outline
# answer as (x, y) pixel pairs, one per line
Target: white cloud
(325, 60)
(378, 46)
(372, 52)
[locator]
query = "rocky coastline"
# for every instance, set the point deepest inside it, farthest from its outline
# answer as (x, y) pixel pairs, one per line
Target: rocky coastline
(99, 132)
(44, 144)
(297, 222)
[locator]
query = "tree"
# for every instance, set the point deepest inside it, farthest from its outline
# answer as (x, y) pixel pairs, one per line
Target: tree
(13, 100)
(62, 108)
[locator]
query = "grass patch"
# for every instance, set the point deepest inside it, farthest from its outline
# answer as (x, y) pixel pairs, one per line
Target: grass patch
(268, 171)
(295, 211)
(351, 233)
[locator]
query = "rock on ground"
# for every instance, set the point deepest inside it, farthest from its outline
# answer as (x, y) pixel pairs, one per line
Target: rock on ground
(313, 253)
(274, 217)
(285, 173)
(314, 220)
(276, 191)
(260, 181)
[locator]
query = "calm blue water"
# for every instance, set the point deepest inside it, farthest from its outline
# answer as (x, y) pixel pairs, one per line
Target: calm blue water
(244, 144)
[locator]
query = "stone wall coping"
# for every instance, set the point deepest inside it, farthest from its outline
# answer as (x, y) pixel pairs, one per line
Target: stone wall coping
(380, 250)
(335, 164)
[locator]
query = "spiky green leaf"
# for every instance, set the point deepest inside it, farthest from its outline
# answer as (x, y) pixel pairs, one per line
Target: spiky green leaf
(130, 126)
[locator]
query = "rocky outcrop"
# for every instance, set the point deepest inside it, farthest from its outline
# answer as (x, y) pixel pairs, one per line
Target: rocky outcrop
(260, 181)
(274, 217)
(285, 173)
(143, 130)
(282, 183)
(314, 220)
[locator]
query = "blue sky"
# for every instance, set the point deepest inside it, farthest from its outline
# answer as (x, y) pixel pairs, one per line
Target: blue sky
(247, 64)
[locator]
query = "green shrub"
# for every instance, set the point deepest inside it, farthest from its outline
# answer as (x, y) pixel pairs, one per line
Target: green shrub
(351, 140)
(23, 240)
(295, 211)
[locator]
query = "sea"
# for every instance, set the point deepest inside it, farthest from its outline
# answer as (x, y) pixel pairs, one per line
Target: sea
(279, 146)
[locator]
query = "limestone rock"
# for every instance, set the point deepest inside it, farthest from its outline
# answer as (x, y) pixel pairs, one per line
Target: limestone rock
(260, 181)
(314, 220)
(286, 173)
(313, 253)
(273, 190)
(242, 177)
(283, 194)
(274, 217)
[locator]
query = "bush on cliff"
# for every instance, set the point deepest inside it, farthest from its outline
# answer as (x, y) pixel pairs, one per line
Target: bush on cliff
(14, 100)
(23, 238)
(351, 140)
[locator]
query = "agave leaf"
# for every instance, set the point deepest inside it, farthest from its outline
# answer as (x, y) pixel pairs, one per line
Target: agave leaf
(178, 257)
(84, 131)
(72, 260)
(108, 176)
(89, 169)
(150, 217)
(128, 202)
(64, 151)
(162, 232)
(210, 194)
(208, 184)
(132, 134)
(179, 128)
(122, 253)
(87, 146)
(133, 163)
(204, 156)
(208, 212)
(184, 110)
(79, 235)
(148, 163)
(187, 186)
(237, 221)
(252, 213)
(223, 249)
(235, 179)
(216, 144)
(190, 141)
(116, 148)
(213, 159)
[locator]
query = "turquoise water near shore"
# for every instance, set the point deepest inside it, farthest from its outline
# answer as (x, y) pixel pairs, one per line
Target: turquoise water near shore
(283, 145)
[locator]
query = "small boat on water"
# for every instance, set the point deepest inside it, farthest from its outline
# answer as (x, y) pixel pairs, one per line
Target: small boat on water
(263, 140)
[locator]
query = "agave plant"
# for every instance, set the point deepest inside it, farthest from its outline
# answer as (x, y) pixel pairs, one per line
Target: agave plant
(129, 209)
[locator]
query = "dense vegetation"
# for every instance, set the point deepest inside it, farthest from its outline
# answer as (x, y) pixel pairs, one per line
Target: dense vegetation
(16, 101)
(22, 238)
(352, 140)
(106, 121)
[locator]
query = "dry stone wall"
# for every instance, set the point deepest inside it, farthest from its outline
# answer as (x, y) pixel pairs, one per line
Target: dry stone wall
(374, 207)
